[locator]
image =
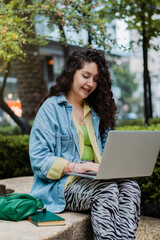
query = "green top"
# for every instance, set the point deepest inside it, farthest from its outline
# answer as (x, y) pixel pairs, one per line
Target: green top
(88, 153)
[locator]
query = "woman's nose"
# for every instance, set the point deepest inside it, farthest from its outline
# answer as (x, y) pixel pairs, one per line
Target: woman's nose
(90, 82)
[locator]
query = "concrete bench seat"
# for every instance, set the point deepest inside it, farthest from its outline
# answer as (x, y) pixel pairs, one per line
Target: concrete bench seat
(78, 225)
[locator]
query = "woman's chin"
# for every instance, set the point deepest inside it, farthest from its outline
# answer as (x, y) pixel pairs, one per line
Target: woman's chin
(85, 94)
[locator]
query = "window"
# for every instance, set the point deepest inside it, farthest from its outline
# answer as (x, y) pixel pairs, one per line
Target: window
(54, 66)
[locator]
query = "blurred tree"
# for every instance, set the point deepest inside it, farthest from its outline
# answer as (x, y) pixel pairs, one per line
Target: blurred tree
(14, 34)
(29, 72)
(73, 16)
(143, 16)
(125, 80)
(19, 41)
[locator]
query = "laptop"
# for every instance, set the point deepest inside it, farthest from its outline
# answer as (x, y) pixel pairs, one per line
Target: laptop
(127, 154)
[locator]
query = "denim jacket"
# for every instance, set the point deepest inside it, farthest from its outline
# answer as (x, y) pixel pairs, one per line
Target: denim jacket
(54, 136)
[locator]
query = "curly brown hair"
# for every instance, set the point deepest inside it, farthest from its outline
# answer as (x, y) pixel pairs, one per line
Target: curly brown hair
(101, 99)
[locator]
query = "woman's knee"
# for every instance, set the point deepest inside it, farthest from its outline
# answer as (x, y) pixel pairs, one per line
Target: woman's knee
(130, 187)
(134, 186)
(106, 190)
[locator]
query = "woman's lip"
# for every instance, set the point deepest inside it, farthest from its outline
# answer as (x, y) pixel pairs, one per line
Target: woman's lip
(86, 90)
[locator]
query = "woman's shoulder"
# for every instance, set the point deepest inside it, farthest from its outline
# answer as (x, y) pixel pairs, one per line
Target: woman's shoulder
(48, 107)
(55, 100)
(50, 101)
(46, 112)
(52, 106)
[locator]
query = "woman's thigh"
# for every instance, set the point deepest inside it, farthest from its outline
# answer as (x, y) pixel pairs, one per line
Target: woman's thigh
(129, 188)
(81, 195)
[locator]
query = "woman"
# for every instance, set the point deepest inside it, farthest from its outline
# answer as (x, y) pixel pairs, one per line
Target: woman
(69, 135)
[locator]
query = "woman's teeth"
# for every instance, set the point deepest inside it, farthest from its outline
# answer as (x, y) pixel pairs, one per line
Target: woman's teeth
(87, 90)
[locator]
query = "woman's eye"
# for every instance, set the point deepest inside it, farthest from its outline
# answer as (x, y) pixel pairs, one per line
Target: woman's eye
(96, 79)
(85, 76)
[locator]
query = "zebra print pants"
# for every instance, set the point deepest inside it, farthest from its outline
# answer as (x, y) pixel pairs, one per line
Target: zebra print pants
(114, 205)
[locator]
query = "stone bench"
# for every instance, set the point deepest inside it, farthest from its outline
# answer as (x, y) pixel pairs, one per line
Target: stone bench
(78, 225)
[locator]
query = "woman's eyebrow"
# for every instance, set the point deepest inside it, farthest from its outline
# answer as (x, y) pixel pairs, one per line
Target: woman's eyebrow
(86, 72)
(89, 73)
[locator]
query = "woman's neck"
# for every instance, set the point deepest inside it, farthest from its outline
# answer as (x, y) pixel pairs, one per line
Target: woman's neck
(75, 102)
(77, 109)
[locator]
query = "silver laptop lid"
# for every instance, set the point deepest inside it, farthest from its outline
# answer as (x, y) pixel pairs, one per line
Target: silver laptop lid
(129, 154)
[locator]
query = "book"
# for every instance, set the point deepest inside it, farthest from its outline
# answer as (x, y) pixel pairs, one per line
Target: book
(46, 218)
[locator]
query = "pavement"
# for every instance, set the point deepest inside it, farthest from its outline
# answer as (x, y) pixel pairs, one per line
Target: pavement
(78, 225)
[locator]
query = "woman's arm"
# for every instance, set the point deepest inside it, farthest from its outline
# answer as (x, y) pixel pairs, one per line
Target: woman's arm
(45, 163)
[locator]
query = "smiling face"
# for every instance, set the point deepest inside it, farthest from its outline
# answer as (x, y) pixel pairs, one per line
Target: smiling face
(84, 82)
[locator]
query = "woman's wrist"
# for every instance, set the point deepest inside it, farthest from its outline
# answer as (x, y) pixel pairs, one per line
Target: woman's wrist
(74, 167)
(70, 167)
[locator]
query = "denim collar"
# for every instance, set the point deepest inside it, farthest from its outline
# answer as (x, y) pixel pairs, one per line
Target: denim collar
(93, 112)
(62, 99)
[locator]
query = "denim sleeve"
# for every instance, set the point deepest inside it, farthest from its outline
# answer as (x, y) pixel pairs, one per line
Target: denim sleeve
(42, 152)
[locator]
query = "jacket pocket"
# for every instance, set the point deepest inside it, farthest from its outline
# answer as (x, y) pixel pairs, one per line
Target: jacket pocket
(64, 144)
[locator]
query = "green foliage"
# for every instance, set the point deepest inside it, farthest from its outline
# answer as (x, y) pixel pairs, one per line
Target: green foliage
(138, 123)
(130, 122)
(141, 15)
(76, 15)
(14, 156)
(17, 20)
(136, 127)
(16, 28)
(10, 130)
(144, 17)
(154, 121)
(125, 80)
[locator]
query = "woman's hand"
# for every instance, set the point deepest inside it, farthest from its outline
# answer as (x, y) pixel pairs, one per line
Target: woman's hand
(81, 167)
(85, 167)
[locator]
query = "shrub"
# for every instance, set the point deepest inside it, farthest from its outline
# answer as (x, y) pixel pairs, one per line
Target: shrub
(130, 122)
(153, 121)
(136, 122)
(137, 127)
(10, 130)
(14, 156)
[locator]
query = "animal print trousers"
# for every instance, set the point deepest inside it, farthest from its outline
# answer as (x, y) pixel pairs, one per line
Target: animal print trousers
(114, 206)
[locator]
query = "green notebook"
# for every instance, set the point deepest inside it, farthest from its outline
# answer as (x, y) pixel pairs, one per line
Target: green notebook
(45, 219)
